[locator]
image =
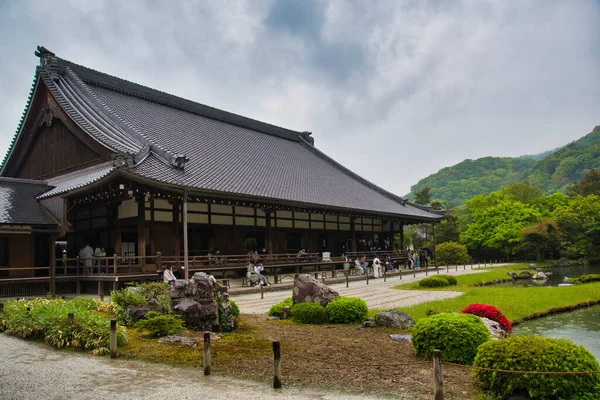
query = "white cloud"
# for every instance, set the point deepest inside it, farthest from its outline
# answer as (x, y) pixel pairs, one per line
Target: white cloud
(395, 90)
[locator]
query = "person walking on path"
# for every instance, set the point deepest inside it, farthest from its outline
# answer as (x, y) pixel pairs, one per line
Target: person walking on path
(377, 267)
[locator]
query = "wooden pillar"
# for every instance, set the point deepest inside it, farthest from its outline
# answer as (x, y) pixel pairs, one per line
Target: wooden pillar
(176, 230)
(353, 235)
(185, 237)
(52, 266)
(269, 231)
(434, 255)
(141, 228)
(392, 240)
(117, 229)
(402, 236)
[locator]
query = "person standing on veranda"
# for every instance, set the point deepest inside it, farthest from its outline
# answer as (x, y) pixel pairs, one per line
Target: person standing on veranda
(377, 267)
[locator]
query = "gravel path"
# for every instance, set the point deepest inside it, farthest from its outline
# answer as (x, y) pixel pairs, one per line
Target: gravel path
(34, 371)
(377, 294)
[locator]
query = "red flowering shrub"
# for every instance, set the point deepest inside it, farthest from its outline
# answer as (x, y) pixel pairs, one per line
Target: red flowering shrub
(489, 312)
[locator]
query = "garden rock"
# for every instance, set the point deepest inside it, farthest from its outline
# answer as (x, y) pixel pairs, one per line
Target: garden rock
(179, 339)
(400, 338)
(369, 324)
(524, 275)
(539, 275)
(532, 266)
(137, 313)
(202, 303)
(394, 319)
(308, 289)
(495, 330)
(562, 263)
(285, 313)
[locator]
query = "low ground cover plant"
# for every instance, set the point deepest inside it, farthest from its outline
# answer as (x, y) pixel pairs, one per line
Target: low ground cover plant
(346, 310)
(585, 279)
(531, 353)
(458, 336)
(48, 319)
(309, 313)
(489, 312)
(154, 295)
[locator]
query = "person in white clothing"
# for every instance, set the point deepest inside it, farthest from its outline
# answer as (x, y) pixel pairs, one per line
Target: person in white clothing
(168, 276)
(85, 255)
(377, 267)
(258, 268)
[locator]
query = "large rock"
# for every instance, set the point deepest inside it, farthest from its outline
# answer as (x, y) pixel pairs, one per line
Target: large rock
(539, 275)
(495, 330)
(394, 319)
(202, 303)
(532, 266)
(308, 289)
(137, 313)
(562, 263)
(524, 275)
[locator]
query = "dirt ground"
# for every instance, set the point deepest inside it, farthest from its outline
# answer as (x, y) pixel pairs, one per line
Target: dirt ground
(342, 357)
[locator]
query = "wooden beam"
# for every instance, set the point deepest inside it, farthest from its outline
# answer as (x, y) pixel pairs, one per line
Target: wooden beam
(52, 239)
(141, 228)
(185, 236)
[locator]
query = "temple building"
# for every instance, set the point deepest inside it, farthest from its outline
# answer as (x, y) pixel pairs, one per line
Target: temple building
(103, 161)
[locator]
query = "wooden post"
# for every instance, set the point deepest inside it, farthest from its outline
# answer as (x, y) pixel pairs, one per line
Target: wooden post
(52, 264)
(276, 365)
(262, 295)
(115, 261)
(77, 265)
(158, 261)
(402, 237)
(347, 278)
(269, 232)
(384, 273)
(438, 379)
(367, 274)
(186, 262)
(28, 310)
(434, 253)
(353, 235)
(70, 318)
(206, 353)
(414, 272)
(141, 228)
(113, 338)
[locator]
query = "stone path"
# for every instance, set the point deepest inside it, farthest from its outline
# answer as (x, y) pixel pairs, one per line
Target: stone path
(377, 294)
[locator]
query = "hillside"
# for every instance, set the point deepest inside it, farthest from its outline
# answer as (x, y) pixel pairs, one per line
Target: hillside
(550, 171)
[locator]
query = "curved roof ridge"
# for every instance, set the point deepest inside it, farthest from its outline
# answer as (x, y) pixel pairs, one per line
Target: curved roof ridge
(129, 88)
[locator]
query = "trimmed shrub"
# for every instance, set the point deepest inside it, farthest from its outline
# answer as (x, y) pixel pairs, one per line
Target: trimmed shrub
(451, 280)
(434, 281)
(160, 324)
(309, 313)
(531, 353)
(347, 310)
(451, 253)
(585, 279)
(275, 310)
(458, 336)
(48, 319)
(489, 312)
(235, 310)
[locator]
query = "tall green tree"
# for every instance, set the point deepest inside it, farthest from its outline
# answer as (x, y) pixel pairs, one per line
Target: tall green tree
(579, 223)
(589, 184)
(541, 240)
(423, 195)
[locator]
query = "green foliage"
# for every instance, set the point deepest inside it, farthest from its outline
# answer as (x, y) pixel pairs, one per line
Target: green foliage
(48, 319)
(309, 313)
(434, 281)
(585, 279)
(540, 239)
(422, 195)
(579, 224)
(530, 353)
(126, 298)
(275, 310)
(235, 310)
(346, 310)
(458, 336)
(589, 184)
(151, 294)
(451, 253)
(159, 325)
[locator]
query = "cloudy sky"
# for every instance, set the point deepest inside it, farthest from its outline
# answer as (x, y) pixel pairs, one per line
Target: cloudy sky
(394, 90)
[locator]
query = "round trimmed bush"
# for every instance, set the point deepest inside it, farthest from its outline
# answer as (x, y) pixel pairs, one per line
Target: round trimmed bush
(531, 353)
(451, 280)
(309, 313)
(489, 312)
(347, 310)
(458, 336)
(275, 310)
(159, 325)
(434, 281)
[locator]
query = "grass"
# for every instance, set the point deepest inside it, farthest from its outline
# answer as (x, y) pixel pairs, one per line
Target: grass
(517, 303)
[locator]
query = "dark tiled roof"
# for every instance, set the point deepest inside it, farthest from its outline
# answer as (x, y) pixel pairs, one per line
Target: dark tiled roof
(77, 179)
(18, 204)
(227, 153)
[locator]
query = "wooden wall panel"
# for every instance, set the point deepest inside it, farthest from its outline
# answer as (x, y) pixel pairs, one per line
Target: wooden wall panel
(56, 151)
(20, 254)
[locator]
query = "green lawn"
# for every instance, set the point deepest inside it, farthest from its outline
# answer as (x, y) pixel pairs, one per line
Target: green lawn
(515, 302)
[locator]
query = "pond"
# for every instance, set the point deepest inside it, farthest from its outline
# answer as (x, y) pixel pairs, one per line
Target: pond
(558, 275)
(580, 326)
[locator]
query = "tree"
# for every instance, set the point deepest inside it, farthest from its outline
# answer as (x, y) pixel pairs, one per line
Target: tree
(589, 184)
(423, 195)
(579, 224)
(522, 192)
(541, 239)
(451, 253)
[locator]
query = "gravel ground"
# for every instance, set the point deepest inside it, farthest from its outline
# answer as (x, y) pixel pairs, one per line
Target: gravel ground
(377, 294)
(36, 371)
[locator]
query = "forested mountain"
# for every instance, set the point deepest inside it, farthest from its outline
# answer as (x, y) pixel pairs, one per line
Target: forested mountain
(553, 172)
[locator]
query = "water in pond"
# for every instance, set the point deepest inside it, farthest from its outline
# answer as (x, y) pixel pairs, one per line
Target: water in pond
(558, 275)
(580, 326)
